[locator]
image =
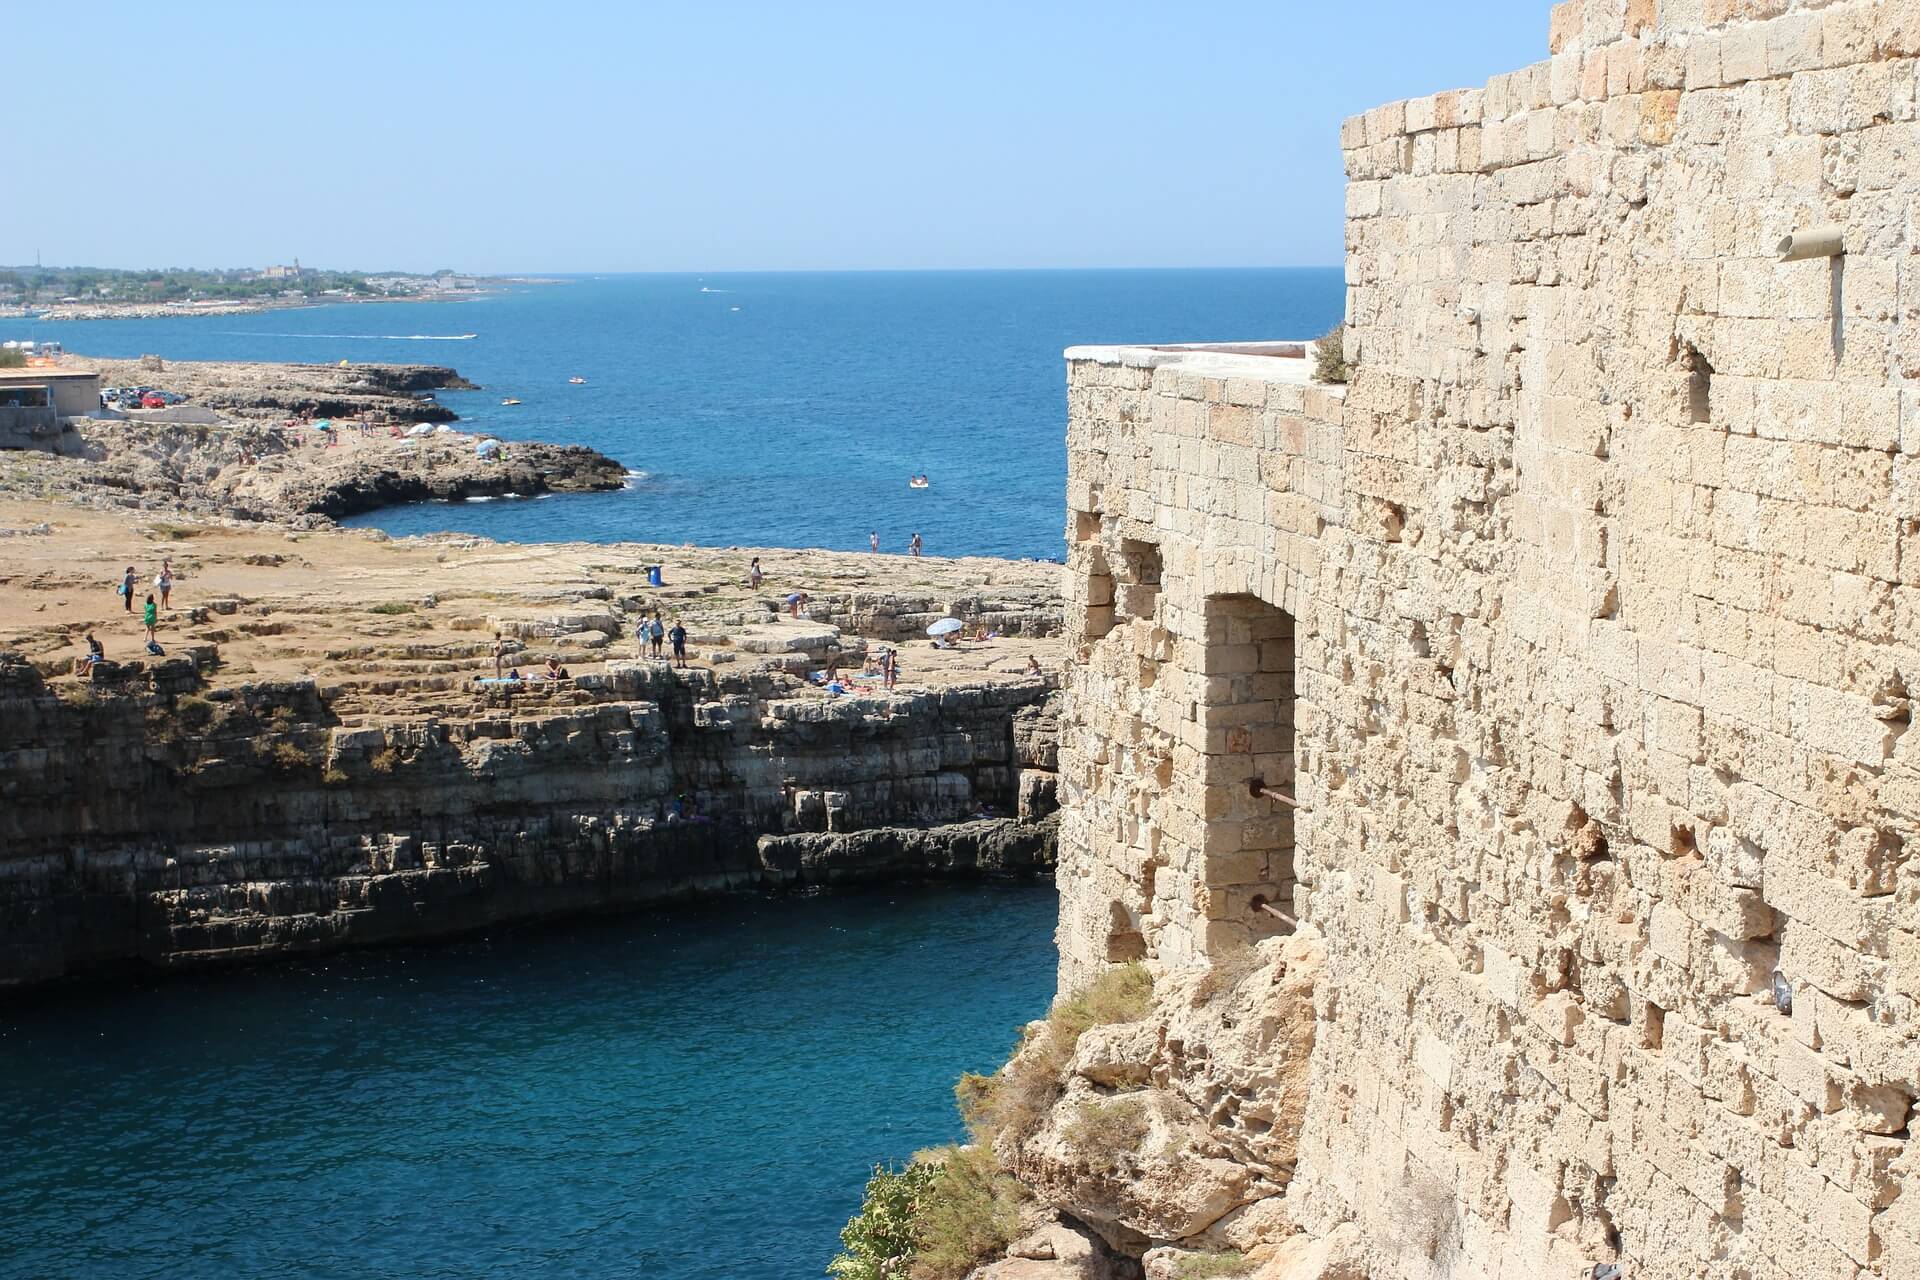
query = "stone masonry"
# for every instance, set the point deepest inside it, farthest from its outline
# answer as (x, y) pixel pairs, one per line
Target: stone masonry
(1580, 624)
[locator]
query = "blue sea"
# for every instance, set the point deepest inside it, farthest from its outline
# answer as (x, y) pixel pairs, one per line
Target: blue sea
(696, 1094)
(781, 410)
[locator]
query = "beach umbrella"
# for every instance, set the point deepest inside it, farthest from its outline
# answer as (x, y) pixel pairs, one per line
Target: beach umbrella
(944, 627)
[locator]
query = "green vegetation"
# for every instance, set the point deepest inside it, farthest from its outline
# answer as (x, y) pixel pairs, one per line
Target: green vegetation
(936, 1219)
(952, 1207)
(286, 756)
(1212, 1266)
(386, 762)
(971, 1211)
(10, 359)
(1330, 356)
(176, 532)
(392, 607)
(882, 1233)
(169, 284)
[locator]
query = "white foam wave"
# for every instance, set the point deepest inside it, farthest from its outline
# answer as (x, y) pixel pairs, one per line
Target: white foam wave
(357, 337)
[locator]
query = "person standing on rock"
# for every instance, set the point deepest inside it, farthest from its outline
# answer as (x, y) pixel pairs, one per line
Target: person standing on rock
(126, 590)
(873, 540)
(657, 630)
(679, 634)
(499, 656)
(913, 548)
(163, 583)
(150, 618)
(754, 575)
(794, 601)
(890, 666)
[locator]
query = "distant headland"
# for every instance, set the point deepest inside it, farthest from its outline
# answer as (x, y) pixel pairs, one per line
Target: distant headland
(111, 293)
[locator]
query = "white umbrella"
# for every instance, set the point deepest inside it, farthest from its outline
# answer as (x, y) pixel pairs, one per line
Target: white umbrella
(945, 627)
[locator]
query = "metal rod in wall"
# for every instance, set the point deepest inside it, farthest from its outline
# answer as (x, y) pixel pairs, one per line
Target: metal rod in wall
(1276, 912)
(1260, 788)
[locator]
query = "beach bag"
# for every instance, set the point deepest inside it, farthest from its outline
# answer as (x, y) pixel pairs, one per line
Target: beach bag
(153, 647)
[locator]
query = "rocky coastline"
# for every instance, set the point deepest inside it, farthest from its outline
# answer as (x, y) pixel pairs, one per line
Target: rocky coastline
(322, 759)
(249, 447)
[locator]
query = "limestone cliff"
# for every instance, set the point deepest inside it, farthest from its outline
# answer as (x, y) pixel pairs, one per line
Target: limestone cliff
(168, 823)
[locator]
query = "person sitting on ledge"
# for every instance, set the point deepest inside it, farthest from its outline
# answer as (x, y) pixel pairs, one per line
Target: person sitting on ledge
(95, 655)
(514, 677)
(1033, 665)
(555, 671)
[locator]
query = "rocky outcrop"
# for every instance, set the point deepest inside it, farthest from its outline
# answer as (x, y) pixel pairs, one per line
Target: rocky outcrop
(271, 392)
(384, 477)
(1176, 1134)
(988, 846)
(253, 472)
(148, 819)
(235, 449)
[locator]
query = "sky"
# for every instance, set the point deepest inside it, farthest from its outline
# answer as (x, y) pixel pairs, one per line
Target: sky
(714, 136)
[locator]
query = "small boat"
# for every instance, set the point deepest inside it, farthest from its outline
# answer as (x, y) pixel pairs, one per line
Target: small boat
(919, 482)
(509, 400)
(577, 381)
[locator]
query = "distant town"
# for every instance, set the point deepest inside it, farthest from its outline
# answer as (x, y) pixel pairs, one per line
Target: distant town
(33, 288)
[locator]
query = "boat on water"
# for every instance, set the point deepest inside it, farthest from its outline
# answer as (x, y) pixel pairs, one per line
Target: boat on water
(577, 381)
(509, 400)
(919, 482)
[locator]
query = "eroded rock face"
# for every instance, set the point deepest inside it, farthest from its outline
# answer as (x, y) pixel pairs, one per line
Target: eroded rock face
(1179, 1127)
(1057, 1249)
(147, 822)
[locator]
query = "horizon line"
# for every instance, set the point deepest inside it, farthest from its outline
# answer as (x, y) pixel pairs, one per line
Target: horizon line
(702, 271)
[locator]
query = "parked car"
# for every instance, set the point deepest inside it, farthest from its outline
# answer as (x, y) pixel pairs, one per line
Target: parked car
(153, 400)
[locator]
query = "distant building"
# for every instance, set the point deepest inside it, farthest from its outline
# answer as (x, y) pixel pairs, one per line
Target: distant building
(69, 391)
(33, 402)
(293, 272)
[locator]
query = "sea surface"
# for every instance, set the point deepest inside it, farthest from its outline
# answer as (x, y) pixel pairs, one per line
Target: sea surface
(694, 1094)
(782, 410)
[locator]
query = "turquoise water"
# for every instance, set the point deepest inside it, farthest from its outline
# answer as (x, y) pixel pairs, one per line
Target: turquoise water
(778, 409)
(685, 1095)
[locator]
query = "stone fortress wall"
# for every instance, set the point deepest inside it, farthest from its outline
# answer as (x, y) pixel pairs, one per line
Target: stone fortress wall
(1581, 625)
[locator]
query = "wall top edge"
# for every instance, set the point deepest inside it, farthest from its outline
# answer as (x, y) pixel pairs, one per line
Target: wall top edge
(1289, 362)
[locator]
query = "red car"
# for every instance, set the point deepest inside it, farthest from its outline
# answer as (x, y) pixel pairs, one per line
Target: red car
(153, 400)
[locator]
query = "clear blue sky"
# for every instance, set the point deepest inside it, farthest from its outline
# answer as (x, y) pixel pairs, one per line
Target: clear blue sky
(712, 135)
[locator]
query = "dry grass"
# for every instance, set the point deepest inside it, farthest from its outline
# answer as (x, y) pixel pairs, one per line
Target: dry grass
(1330, 356)
(1212, 1266)
(971, 1212)
(287, 756)
(1016, 1101)
(1104, 1133)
